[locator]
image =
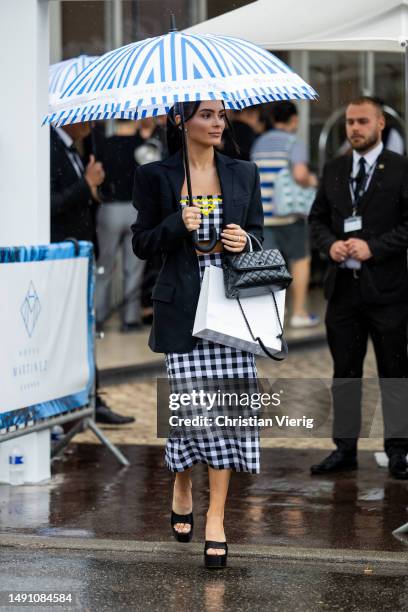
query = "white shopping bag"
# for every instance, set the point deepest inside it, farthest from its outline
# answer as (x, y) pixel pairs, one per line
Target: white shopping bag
(220, 319)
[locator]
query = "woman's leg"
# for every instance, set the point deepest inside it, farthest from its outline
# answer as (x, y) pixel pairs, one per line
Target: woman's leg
(182, 498)
(214, 530)
(300, 270)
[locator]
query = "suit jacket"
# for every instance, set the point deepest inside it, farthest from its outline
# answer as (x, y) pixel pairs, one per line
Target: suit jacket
(384, 210)
(72, 206)
(160, 229)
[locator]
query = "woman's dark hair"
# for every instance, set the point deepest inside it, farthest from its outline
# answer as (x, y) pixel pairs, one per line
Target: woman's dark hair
(174, 142)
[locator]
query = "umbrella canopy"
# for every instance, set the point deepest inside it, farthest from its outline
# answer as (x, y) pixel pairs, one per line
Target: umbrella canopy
(62, 74)
(367, 25)
(146, 78)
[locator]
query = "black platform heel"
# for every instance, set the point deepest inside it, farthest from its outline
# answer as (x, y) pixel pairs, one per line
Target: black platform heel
(215, 561)
(182, 518)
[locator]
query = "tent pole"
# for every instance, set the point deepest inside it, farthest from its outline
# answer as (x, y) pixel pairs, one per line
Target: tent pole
(368, 73)
(405, 44)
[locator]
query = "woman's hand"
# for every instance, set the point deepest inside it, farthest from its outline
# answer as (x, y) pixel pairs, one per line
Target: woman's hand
(233, 238)
(191, 217)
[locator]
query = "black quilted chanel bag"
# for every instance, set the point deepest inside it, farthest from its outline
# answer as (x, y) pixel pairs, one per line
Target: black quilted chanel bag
(255, 273)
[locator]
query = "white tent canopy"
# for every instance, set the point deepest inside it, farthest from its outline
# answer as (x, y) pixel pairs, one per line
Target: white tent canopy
(366, 25)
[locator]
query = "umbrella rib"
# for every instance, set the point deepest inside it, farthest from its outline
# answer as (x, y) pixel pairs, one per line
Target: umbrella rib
(109, 68)
(173, 56)
(145, 61)
(275, 61)
(77, 84)
(201, 57)
(236, 55)
(137, 52)
(212, 53)
(235, 51)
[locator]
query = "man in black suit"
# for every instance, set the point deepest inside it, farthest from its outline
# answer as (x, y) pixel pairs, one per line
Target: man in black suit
(74, 196)
(74, 201)
(360, 221)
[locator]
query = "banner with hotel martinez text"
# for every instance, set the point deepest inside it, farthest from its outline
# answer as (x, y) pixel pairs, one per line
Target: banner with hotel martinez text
(46, 322)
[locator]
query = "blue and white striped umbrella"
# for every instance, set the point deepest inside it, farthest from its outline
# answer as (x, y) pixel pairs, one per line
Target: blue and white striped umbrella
(146, 78)
(62, 74)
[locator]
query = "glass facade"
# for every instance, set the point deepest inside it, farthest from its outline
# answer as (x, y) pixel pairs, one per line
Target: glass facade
(337, 77)
(144, 19)
(389, 79)
(85, 24)
(83, 28)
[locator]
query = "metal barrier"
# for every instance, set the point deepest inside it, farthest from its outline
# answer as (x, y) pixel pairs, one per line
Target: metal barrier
(80, 407)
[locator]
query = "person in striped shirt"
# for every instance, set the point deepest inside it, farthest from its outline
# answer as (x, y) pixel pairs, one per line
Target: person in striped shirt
(274, 150)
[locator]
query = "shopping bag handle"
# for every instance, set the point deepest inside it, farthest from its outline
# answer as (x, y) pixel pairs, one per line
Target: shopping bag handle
(284, 349)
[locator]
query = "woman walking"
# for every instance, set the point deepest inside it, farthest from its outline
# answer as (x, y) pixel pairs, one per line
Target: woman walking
(226, 196)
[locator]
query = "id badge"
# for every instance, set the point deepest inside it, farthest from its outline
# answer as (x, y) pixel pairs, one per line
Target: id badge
(353, 224)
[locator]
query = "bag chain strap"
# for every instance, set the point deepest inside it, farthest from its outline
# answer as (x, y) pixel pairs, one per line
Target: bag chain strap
(280, 336)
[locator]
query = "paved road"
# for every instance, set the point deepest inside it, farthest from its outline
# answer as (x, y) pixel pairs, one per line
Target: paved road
(101, 581)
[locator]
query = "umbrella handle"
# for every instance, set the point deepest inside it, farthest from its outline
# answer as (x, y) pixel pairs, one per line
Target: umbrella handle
(213, 234)
(211, 244)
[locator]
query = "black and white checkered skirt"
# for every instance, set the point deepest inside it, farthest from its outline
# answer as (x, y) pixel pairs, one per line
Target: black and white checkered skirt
(210, 360)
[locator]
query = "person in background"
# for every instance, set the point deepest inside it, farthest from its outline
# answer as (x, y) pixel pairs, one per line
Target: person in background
(391, 136)
(74, 202)
(153, 263)
(134, 143)
(246, 126)
(273, 151)
(360, 221)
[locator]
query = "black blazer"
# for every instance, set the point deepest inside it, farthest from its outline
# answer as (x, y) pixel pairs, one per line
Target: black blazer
(72, 206)
(384, 209)
(160, 229)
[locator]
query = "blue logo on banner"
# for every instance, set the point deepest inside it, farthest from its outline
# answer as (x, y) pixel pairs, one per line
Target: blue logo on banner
(30, 309)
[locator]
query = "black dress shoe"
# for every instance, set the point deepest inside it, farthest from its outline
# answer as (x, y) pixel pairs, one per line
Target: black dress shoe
(337, 461)
(103, 414)
(397, 466)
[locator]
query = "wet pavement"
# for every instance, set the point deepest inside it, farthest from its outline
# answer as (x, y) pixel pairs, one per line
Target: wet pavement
(89, 496)
(101, 581)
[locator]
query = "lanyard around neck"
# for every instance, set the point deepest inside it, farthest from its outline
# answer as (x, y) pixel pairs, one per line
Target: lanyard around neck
(357, 196)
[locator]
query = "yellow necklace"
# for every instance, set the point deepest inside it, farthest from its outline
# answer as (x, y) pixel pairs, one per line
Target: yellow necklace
(205, 205)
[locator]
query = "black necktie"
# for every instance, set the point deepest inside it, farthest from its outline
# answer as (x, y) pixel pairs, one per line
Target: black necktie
(77, 158)
(360, 180)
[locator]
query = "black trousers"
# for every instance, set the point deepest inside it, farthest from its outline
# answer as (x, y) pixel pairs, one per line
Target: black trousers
(349, 324)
